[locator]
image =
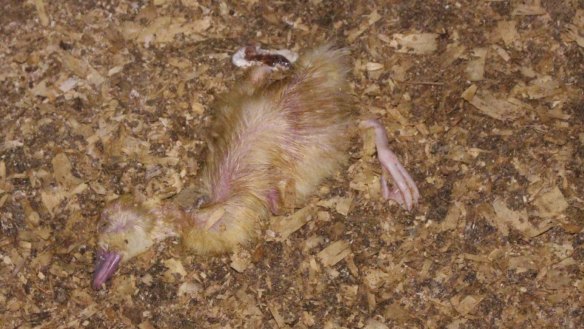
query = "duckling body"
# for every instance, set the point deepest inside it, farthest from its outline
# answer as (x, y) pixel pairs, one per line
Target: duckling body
(268, 133)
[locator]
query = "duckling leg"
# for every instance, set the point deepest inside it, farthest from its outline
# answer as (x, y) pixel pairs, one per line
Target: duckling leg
(405, 192)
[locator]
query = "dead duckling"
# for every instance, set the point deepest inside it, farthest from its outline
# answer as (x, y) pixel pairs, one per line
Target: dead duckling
(292, 131)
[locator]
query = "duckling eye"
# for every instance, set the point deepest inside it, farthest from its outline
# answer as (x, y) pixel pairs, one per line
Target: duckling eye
(126, 241)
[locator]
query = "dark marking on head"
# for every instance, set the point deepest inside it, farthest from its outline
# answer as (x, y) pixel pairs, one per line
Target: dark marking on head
(271, 60)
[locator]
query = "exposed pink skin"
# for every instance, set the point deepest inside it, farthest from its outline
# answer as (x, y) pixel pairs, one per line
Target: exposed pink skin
(106, 264)
(405, 192)
(273, 197)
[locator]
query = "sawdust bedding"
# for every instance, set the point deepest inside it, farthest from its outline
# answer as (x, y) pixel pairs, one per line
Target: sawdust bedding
(483, 102)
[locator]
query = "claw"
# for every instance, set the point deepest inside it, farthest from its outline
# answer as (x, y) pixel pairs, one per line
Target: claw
(406, 192)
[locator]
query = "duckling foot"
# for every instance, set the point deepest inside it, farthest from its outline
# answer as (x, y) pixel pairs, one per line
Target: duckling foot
(405, 192)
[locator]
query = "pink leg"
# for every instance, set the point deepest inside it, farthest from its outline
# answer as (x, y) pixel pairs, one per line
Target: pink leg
(405, 192)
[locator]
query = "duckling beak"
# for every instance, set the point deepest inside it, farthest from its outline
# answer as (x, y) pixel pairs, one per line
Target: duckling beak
(106, 264)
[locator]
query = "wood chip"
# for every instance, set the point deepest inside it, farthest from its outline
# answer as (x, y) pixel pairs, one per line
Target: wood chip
(370, 66)
(496, 108)
(276, 315)
(415, 43)
(81, 68)
(189, 289)
(240, 260)
(63, 171)
(41, 11)
(146, 325)
(528, 10)
(465, 305)
(502, 53)
(518, 220)
(374, 324)
(551, 203)
(175, 267)
(52, 197)
(539, 88)
(68, 84)
(284, 226)
(507, 31)
(372, 19)
(344, 205)
(456, 212)
(375, 278)
(334, 253)
(575, 34)
(396, 312)
(475, 70)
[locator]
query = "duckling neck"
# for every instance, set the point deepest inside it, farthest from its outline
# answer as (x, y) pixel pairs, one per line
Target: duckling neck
(168, 221)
